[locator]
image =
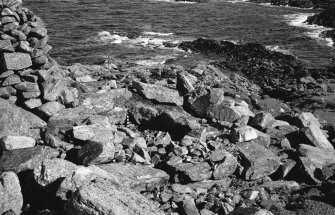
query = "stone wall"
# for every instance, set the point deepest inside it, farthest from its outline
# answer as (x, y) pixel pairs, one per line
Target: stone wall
(23, 47)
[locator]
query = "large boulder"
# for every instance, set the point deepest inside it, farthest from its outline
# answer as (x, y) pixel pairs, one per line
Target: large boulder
(103, 196)
(10, 193)
(15, 61)
(18, 121)
(257, 161)
(137, 177)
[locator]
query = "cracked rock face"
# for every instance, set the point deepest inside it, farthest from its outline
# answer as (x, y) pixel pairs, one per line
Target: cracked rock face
(10, 193)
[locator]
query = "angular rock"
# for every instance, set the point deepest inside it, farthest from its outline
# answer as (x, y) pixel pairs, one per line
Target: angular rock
(307, 118)
(33, 103)
(16, 142)
(250, 211)
(193, 172)
(6, 46)
(51, 170)
(27, 87)
(95, 153)
(159, 93)
(11, 80)
(243, 134)
(104, 102)
(18, 121)
(137, 177)
(184, 84)
(15, 61)
(105, 197)
(11, 198)
(50, 108)
(179, 188)
(189, 207)
(20, 160)
(222, 112)
(53, 90)
(262, 120)
(226, 168)
(316, 137)
(257, 160)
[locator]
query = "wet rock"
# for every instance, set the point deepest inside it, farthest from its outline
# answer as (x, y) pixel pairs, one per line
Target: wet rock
(8, 143)
(108, 198)
(15, 61)
(316, 137)
(18, 121)
(257, 160)
(159, 93)
(51, 170)
(194, 172)
(137, 177)
(20, 160)
(10, 193)
(325, 18)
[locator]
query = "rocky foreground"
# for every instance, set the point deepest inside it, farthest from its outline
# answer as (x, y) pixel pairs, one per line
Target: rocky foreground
(235, 136)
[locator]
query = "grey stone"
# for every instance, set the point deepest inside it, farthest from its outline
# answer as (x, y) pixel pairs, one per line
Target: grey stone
(15, 61)
(18, 121)
(184, 83)
(179, 188)
(11, 80)
(316, 137)
(51, 170)
(189, 207)
(11, 198)
(50, 108)
(105, 197)
(307, 118)
(27, 87)
(6, 46)
(257, 161)
(137, 177)
(20, 160)
(262, 120)
(16, 142)
(33, 103)
(226, 168)
(159, 93)
(194, 172)
(243, 134)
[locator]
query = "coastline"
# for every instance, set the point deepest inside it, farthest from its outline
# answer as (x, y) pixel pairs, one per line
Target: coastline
(250, 131)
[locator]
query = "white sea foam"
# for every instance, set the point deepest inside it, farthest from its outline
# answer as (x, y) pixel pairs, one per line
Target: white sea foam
(157, 34)
(238, 1)
(175, 2)
(278, 49)
(299, 20)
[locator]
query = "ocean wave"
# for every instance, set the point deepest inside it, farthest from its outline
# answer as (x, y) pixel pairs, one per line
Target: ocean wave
(299, 20)
(154, 40)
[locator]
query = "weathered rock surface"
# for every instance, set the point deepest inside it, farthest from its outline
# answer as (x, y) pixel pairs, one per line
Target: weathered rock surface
(159, 93)
(257, 160)
(316, 137)
(105, 197)
(16, 142)
(20, 160)
(10, 193)
(137, 177)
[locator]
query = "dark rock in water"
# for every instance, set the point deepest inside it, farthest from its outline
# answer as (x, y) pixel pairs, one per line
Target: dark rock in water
(266, 68)
(20, 160)
(328, 34)
(10, 196)
(105, 197)
(137, 177)
(325, 18)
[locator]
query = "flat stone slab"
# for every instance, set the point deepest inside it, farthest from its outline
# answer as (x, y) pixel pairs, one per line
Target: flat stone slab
(6, 46)
(15, 61)
(137, 177)
(19, 160)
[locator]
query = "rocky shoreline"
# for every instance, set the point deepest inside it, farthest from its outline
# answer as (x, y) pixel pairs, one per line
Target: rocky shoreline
(234, 136)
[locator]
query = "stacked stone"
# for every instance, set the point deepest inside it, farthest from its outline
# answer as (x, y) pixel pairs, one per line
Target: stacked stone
(23, 47)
